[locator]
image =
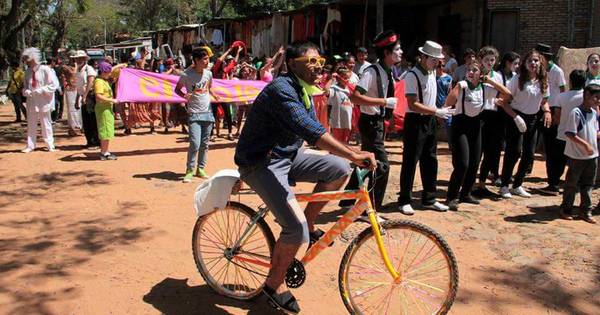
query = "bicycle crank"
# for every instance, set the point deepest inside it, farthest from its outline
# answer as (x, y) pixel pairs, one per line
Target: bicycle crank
(295, 275)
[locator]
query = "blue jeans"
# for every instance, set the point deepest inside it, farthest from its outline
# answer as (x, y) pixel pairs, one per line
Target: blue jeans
(199, 132)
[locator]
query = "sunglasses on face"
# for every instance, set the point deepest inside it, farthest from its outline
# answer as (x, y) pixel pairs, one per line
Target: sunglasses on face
(316, 61)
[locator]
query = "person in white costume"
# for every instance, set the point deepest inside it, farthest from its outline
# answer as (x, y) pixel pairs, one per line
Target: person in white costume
(38, 88)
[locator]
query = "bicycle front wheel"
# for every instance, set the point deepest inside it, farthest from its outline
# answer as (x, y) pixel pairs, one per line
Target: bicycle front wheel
(239, 272)
(428, 272)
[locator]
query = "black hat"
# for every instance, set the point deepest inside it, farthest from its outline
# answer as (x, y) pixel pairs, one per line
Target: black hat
(385, 38)
(593, 88)
(362, 50)
(544, 49)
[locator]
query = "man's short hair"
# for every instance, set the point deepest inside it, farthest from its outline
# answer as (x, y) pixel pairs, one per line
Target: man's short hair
(469, 52)
(298, 49)
(577, 79)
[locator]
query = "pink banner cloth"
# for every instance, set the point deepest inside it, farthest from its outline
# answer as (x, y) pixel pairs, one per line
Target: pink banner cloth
(137, 86)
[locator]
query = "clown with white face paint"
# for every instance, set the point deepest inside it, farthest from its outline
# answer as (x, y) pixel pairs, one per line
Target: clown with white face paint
(38, 88)
(420, 126)
(492, 132)
(530, 94)
(375, 95)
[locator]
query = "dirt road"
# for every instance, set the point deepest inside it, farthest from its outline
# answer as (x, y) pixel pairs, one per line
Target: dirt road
(82, 236)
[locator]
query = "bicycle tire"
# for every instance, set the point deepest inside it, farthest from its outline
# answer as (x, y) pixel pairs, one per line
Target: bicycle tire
(202, 265)
(388, 226)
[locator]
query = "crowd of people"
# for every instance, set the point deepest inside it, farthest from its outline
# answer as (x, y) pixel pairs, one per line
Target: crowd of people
(487, 105)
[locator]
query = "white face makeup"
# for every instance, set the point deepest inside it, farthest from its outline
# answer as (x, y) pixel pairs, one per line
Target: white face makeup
(594, 64)
(473, 74)
(533, 63)
(397, 54)
(488, 62)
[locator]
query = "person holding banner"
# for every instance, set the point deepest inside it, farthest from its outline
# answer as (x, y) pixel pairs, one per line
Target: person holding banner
(197, 81)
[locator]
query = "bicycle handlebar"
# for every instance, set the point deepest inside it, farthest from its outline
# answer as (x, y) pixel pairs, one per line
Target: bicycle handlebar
(362, 173)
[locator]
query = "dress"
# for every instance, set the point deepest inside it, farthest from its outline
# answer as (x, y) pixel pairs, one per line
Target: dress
(143, 113)
(105, 119)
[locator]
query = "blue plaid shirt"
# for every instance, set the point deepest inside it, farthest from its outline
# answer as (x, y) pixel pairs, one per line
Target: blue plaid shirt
(277, 124)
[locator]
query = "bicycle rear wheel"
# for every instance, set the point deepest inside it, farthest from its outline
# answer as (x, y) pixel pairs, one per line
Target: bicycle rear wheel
(240, 272)
(428, 272)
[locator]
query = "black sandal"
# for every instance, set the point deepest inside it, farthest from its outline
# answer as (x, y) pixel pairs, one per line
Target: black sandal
(315, 237)
(284, 301)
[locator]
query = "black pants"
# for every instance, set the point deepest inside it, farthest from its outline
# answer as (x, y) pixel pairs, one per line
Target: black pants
(580, 176)
(58, 110)
(90, 127)
(555, 154)
(519, 145)
(227, 113)
(17, 101)
(466, 154)
(420, 146)
(372, 136)
(492, 135)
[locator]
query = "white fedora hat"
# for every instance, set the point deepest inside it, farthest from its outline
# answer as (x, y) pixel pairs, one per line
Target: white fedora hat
(432, 49)
(79, 54)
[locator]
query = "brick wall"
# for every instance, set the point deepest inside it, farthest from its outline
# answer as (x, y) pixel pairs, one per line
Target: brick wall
(548, 21)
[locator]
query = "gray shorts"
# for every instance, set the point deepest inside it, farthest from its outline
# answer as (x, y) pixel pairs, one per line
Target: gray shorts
(272, 180)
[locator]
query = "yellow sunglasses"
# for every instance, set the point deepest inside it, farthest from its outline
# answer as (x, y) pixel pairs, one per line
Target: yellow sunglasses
(312, 61)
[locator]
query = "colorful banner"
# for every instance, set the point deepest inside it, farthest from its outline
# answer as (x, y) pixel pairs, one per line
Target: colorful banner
(137, 86)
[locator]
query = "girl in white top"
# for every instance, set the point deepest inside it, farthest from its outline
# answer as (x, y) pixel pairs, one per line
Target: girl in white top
(593, 69)
(469, 98)
(530, 93)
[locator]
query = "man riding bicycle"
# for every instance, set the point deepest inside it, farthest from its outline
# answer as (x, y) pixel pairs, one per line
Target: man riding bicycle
(270, 155)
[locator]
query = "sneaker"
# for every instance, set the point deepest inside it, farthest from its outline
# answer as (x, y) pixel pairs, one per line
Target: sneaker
(453, 204)
(108, 156)
(406, 209)
(588, 218)
(505, 192)
(189, 175)
(53, 149)
(520, 191)
(469, 199)
(550, 190)
(437, 206)
(201, 173)
(27, 150)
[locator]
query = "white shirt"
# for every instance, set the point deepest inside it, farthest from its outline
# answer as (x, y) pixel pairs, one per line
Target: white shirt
(428, 87)
(474, 102)
(40, 98)
(567, 100)
(490, 100)
(585, 125)
(82, 78)
(359, 68)
(528, 100)
(592, 80)
(368, 83)
(556, 80)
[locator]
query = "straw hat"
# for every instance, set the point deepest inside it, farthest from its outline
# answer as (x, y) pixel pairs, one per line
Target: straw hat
(432, 49)
(79, 54)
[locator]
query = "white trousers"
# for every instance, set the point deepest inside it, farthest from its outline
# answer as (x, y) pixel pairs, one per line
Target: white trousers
(45, 123)
(74, 114)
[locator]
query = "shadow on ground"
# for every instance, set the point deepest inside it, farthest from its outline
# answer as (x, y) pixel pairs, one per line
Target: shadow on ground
(175, 296)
